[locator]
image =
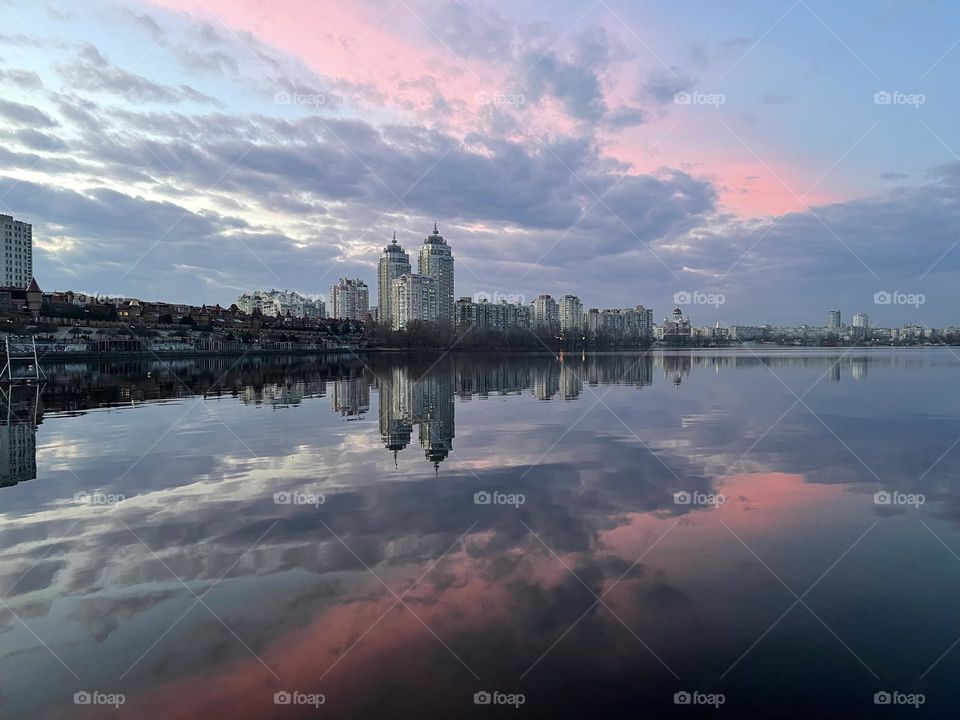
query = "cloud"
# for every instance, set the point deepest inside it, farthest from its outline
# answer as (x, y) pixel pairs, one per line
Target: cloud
(625, 116)
(24, 78)
(25, 114)
(36, 140)
(662, 84)
(93, 71)
(576, 87)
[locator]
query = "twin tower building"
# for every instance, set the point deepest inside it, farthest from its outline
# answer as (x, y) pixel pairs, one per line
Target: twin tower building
(427, 295)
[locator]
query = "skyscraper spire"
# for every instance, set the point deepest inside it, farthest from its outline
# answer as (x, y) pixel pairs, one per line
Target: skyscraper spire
(394, 237)
(435, 231)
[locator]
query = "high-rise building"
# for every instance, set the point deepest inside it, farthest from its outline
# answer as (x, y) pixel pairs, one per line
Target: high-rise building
(436, 261)
(571, 314)
(16, 265)
(860, 320)
(833, 320)
(645, 329)
(413, 297)
(546, 314)
(349, 300)
(394, 262)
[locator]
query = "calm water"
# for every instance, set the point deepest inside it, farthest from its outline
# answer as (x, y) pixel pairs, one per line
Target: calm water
(317, 526)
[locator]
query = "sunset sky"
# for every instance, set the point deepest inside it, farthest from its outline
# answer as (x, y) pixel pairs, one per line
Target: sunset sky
(191, 150)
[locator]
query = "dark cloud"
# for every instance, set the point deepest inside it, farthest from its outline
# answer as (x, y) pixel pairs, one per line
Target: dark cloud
(577, 88)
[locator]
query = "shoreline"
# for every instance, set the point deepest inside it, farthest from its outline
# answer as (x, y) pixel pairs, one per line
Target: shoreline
(55, 357)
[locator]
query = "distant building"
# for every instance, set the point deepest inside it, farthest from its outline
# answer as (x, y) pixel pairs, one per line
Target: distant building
(16, 264)
(676, 329)
(350, 300)
(394, 262)
(281, 302)
(414, 297)
(645, 328)
(833, 320)
(861, 326)
(747, 333)
(545, 314)
(491, 316)
(571, 314)
(436, 261)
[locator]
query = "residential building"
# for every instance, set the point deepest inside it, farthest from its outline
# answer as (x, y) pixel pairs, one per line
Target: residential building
(16, 265)
(860, 320)
(645, 327)
(436, 261)
(414, 297)
(746, 333)
(545, 314)
(571, 314)
(350, 300)
(281, 302)
(394, 262)
(833, 320)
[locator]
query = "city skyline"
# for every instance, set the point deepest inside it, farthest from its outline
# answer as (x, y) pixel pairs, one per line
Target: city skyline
(778, 155)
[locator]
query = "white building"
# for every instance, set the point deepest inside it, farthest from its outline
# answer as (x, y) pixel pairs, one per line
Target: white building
(833, 320)
(436, 261)
(860, 320)
(545, 314)
(280, 302)
(349, 300)
(571, 314)
(16, 269)
(414, 297)
(394, 262)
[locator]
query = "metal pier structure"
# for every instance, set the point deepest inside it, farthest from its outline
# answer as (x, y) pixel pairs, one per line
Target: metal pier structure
(18, 360)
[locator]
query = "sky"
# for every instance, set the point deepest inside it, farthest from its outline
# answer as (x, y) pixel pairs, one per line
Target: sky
(759, 161)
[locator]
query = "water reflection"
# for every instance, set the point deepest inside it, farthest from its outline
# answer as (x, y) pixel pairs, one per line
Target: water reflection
(20, 414)
(305, 597)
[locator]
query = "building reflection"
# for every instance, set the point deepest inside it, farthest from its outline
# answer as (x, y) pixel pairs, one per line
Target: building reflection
(413, 391)
(407, 399)
(20, 413)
